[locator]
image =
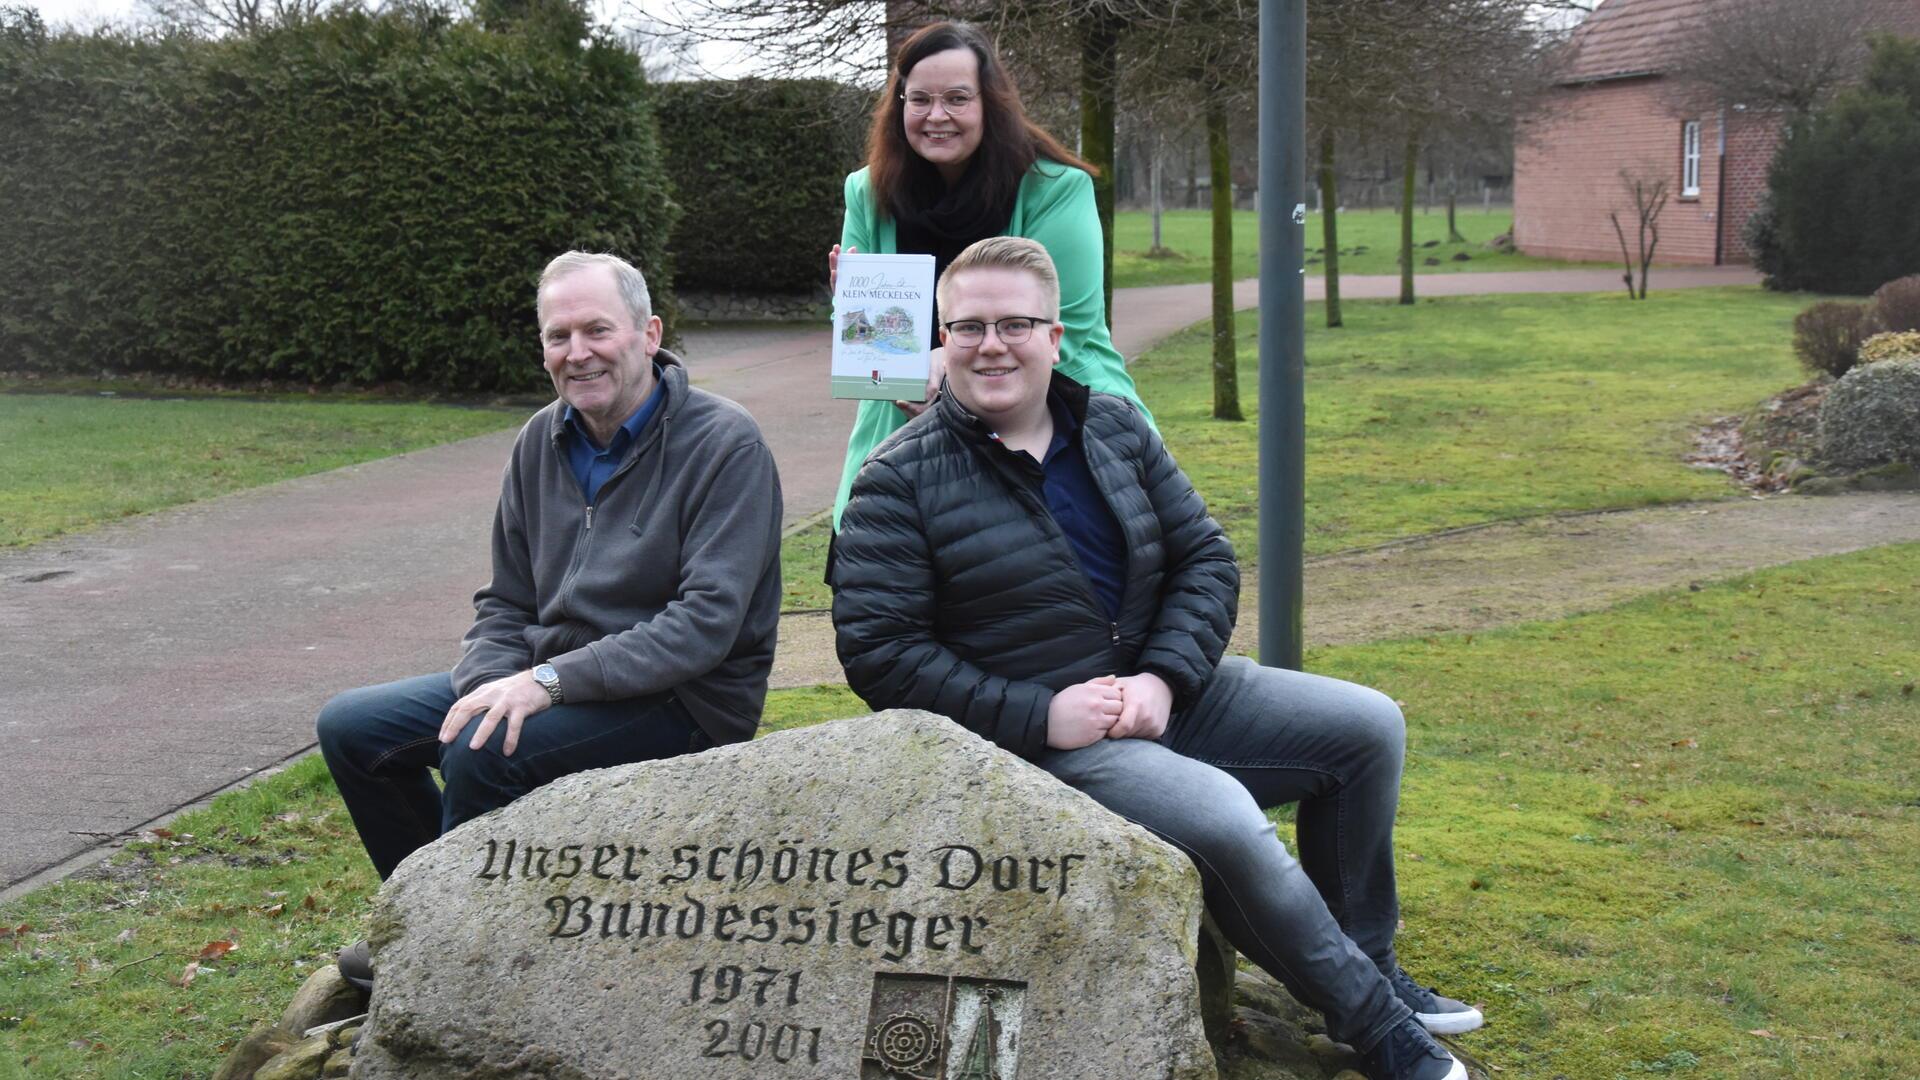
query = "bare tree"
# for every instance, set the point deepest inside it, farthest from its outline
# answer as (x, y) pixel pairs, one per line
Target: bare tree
(1649, 197)
(1207, 63)
(1786, 55)
(215, 17)
(665, 52)
(1396, 72)
(1472, 61)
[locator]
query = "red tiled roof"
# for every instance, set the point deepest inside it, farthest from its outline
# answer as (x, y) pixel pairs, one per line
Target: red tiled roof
(1638, 37)
(1629, 37)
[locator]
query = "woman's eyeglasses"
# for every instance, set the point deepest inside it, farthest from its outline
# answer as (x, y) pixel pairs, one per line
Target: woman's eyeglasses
(1011, 330)
(955, 102)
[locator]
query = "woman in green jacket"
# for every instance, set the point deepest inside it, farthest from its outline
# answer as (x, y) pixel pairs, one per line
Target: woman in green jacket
(951, 159)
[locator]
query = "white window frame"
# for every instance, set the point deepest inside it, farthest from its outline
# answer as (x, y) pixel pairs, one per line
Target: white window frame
(1690, 160)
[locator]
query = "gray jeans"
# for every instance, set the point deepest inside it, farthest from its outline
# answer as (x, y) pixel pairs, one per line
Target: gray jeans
(1259, 737)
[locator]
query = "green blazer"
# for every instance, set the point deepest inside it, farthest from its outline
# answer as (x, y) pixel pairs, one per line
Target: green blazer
(1055, 207)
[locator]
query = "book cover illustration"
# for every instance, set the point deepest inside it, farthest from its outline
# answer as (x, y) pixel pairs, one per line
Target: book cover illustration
(882, 324)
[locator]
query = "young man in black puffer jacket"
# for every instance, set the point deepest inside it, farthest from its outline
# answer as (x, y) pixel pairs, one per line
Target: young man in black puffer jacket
(1026, 558)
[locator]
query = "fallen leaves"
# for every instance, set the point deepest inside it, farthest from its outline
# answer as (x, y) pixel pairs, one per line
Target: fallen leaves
(213, 950)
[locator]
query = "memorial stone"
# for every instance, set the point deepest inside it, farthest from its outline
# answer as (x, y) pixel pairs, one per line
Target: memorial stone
(883, 898)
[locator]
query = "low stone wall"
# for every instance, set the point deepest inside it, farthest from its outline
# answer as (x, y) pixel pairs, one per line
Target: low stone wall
(755, 307)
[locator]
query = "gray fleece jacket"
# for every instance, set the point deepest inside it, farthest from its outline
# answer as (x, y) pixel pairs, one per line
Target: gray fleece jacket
(671, 581)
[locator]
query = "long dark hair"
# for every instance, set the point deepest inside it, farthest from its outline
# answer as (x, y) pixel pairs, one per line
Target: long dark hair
(1009, 142)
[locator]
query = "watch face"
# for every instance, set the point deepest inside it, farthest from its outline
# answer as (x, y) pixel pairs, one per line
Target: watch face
(544, 673)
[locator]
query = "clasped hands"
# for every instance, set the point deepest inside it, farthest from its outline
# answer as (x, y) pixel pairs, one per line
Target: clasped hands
(1109, 707)
(510, 700)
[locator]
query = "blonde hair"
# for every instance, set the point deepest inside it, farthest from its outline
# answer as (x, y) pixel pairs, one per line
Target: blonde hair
(1005, 253)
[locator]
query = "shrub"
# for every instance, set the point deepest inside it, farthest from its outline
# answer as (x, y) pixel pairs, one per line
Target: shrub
(758, 167)
(1893, 345)
(1872, 416)
(1896, 305)
(348, 199)
(1827, 336)
(1841, 216)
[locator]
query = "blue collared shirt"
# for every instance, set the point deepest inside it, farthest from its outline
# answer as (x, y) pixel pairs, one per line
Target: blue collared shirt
(592, 466)
(1082, 511)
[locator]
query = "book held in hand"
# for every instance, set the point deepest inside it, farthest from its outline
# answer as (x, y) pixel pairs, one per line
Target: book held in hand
(882, 326)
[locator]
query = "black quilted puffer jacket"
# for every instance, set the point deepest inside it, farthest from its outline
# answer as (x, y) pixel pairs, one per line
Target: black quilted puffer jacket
(956, 592)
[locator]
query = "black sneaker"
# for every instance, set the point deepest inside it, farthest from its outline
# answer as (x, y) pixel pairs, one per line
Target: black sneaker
(1407, 1052)
(356, 965)
(1440, 1015)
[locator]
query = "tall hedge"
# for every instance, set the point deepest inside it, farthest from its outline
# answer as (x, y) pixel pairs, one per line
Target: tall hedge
(353, 199)
(758, 167)
(1842, 214)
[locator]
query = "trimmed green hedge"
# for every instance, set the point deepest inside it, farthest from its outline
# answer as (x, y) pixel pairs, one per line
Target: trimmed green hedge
(758, 167)
(354, 199)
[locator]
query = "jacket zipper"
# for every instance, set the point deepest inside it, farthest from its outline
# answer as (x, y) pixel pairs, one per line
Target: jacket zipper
(586, 533)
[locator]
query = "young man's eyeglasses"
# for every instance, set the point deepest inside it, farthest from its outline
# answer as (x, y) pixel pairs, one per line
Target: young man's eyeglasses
(1011, 330)
(955, 102)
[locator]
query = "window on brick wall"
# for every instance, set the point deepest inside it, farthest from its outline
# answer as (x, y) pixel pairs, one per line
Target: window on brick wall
(1690, 160)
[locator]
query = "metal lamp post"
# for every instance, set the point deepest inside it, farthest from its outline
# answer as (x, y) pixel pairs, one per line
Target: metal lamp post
(1283, 413)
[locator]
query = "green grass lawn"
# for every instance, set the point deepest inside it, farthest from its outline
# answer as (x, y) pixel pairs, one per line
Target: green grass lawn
(1638, 837)
(1472, 409)
(1369, 242)
(1465, 410)
(1449, 413)
(79, 460)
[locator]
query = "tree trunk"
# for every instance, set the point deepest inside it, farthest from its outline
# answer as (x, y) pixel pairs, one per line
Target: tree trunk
(1330, 228)
(1099, 87)
(1157, 248)
(1406, 220)
(1226, 378)
(1453, 196)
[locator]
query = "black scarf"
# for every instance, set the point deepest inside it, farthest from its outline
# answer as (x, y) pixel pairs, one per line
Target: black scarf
(945, 220)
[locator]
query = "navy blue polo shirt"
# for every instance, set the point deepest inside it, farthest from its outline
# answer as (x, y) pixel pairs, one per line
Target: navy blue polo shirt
(1082, 511)
(592, 466)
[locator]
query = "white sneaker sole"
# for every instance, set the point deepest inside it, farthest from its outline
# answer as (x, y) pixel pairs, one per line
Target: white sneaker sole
(1458, 1072)
(1452, 1023)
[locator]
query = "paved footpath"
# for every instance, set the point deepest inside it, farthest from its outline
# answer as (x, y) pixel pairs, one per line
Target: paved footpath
(157, 661)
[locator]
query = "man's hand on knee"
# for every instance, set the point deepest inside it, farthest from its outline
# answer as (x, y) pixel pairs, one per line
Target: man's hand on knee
(1146, 703)
(510, 700)
(1082, 714)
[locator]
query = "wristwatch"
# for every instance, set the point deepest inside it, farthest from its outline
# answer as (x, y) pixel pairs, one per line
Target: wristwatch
(549, 681)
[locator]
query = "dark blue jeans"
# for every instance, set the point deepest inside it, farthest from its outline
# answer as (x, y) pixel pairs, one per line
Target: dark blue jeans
(1258, 737)
(380, 742)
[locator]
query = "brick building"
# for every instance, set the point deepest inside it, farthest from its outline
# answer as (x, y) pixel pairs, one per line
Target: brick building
(1614, 110)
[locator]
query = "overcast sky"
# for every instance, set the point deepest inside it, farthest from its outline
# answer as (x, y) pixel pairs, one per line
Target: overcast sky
(82, 13)
(715, 58)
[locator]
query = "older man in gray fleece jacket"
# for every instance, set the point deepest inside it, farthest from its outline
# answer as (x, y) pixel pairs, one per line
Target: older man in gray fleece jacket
(635, 591)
